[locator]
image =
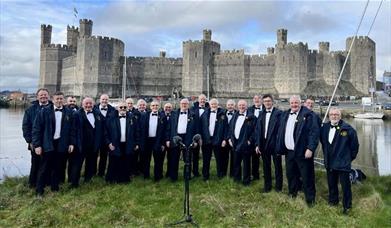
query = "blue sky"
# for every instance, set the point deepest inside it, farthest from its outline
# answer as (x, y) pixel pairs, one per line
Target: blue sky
(147, 27)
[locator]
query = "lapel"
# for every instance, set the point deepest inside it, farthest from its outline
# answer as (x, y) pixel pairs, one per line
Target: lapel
(118, 125)
(190, 116)
(272, 122)
(52, 119)
(299, 124)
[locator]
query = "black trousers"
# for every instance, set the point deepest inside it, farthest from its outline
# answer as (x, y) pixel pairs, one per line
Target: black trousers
(296, 167)
(103, 151)
(146, 156)
(267, 171)
(90, 166)
(168, 152)
(158, 160)
(135, 163)
(173, 165)
(63, 168)
(118, 167)
(344, 179)
(245, 157)
(35, 163)
(207, 156)
(254, 163)
(195, 156)
(225, 154)
(75, 163)
(49, 168)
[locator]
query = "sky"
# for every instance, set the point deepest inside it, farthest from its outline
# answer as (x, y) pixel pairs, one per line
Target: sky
(147, 27)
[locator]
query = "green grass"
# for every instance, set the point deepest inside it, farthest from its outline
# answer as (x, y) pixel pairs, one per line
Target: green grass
(217, 203)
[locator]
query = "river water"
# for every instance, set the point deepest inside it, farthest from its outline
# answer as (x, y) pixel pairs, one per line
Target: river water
(374, 157)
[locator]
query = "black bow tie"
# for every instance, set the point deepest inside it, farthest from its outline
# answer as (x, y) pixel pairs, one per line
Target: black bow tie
(58, 109)
(268, 111)
(241, 114)
(293, 113)
(154, 114)
(213, 111)
(333, 126)
(230, 113)
(103, 109)
(184, 113)
(89, 112)
(257, 108)
(121, 117)
(202, 107)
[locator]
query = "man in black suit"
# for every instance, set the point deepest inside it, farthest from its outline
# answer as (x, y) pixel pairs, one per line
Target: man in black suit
(198, 109)
(182, 124)
(130, 103)
(52, 137)
(89, 135)
(167, 109)
(227, 152)
(72, 103)
(241, 130)
(27, 127)
(155, 139)
(297, 139)
(265, 142)
(141, 119)
(213, 129)
(105, 110)
(122, 139)
(340, 147)
(255, 109)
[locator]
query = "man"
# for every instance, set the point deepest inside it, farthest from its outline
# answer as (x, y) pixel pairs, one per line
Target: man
(129, 103)
(227, 153)
(309, 103)
(51, 137)
(241, 129)
(141, 120)
(198, 109)
(340, 147)
(297, 139)
(27, 127)
(213, 129)
(155, 140)
(266, 134)
(167, 112)
(122, 139)
(105, 110)
(71, 103)
(141, 105)
(182, 124)
(255, 109)
(89, 134)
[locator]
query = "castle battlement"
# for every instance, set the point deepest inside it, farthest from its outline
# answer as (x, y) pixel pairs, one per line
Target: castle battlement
(56, 46)
(296, 45)
(103, 38)
(72, 28)
(360, 39)
(85, 21)
(44, 26)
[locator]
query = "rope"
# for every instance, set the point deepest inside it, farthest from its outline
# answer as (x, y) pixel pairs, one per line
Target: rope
(374, 19)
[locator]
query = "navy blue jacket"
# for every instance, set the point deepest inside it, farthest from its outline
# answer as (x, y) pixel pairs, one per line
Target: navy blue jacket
(45, 125)
(28, 120)
(198, 119)
(241, 144)
(219, 131)
(251, 109)
(227, 133)
(78, 120)
(142, 123)
(160, 131)
(267, 145)
(172, 129)
(306, 133)
(113, 133)
(110, 110)
(344, 148)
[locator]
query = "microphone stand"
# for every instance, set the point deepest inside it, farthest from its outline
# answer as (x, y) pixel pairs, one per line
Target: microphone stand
(187, 217)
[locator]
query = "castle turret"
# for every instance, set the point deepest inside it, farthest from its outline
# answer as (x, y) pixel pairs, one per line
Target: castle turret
(198, 64)
(46, 34)
(282, 36)
(85, 28)
(324, 47)
(72, 35)
(270, 50)
(162, 54)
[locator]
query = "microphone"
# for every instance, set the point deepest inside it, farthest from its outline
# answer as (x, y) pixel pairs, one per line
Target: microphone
(177, 141)
(196, 140)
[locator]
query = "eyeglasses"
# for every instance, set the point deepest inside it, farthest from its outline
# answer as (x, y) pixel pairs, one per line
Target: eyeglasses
(122, 107)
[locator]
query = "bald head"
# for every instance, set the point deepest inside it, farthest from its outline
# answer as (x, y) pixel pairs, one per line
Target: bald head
(104, 100)
(88, 103)
(214, 104)
(242, 106)
(202, 100)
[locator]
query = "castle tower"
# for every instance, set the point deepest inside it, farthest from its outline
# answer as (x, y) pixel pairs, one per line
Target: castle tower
(85, 27)
(162, 54)
(46, 34)
(324, 47)
(270, 51)
(198, 64)
(362, 67)
(72, 35)
(282, 36)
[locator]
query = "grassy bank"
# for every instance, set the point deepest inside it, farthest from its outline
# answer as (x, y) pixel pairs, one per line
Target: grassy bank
(214, 203)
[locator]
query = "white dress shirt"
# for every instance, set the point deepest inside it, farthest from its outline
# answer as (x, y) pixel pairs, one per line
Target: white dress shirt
(91, 119)
(290, 127)
(122, 122)
(182, 122)
(229, 117)
(257, 111)
(331, 134)
(58, 116)
(267, 120)
(104, 112)
(152, 124)
(201, 111)
(212, 122)
(238, 125)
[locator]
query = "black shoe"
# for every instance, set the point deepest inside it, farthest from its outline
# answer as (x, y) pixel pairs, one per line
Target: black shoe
(278, 190)
(292, 195)
(345, 211)
(266, 190)
(205, 178)
(246, 183)
(311, 203)
(333, 204)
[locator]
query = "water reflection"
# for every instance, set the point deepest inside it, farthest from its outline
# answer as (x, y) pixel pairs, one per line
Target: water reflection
(374, 156)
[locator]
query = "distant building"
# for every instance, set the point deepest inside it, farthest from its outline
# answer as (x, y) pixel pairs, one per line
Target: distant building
(17, 96)
(90, 65)
(387, 81)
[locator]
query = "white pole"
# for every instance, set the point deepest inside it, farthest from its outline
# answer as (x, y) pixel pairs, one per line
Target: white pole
(207, 82)
(124, 80)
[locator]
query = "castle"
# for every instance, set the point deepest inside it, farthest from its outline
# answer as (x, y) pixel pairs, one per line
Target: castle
(90, 65)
